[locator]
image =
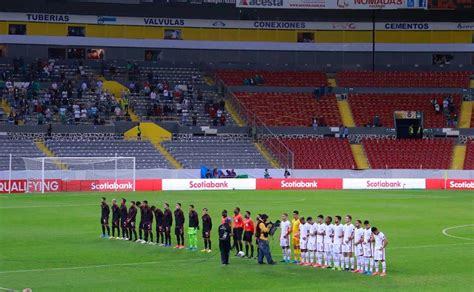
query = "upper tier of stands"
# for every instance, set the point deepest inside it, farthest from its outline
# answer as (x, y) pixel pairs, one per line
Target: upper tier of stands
(409, 154)
(317, 153)
(438, 79)
(469, 160)
(365, 106)
(275, 78)
(291, 109)
(220, 152)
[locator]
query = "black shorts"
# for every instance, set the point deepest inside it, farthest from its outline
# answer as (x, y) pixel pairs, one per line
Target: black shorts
(167, 229)
(238, 233)
(160, 228)
(115, 223)
(248, 236)
(146, 226)
(131, 224)
(123, 223)
(141, 225)
(206, 234)
(104, 220)
(179, 230)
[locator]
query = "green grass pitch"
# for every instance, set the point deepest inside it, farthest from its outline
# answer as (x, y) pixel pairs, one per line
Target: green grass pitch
(52, 243)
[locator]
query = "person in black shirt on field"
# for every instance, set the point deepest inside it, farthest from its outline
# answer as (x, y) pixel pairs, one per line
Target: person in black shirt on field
(124, 219)
(179, 227)
(193, 228)
(147, 222)
(104, 217)
(167, 223)
(115, 219)
(160, 234)
(224, 241)
(140, 225)
(206, 230)
(132, 218)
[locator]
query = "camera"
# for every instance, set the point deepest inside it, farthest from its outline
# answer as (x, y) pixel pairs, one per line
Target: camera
(274, 227)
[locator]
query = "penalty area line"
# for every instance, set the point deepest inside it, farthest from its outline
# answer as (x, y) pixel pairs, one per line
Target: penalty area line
(445, 231)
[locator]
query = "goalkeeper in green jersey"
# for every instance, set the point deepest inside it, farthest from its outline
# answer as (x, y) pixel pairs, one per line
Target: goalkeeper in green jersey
(193, 228)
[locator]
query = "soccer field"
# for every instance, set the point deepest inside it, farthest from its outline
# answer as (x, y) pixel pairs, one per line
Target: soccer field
(52, 243)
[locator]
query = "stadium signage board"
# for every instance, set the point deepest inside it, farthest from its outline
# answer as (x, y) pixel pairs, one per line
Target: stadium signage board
(333, 4)
(300, 184)
(24, 186)
(208, 184)
(383, 184)
(229, 24)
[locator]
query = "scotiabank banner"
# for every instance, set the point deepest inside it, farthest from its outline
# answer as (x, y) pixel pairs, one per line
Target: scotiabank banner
(460, 184)
(299, 184)
(209, 184)
(97, 185)
(32, 186)
(383, 183)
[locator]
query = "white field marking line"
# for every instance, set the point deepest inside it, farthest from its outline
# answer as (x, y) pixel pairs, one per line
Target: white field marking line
(445, 231)
(8, 289)
(49, 206)
(178, 261)
(94, 267)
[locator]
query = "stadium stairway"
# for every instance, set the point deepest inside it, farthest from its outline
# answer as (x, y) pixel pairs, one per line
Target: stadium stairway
(6, 107)
(359, 156)
(235, 116)
(466, 114)
(116, 89)
(48, 153)
(155, 134)
(459, 155)
(346, 113)
(264, 152)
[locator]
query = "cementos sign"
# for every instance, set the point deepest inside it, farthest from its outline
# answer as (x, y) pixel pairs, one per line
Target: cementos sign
(383, 184)
(208, 184)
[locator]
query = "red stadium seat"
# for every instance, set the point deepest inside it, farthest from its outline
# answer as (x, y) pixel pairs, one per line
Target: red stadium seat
(275, 78)
(469, 160)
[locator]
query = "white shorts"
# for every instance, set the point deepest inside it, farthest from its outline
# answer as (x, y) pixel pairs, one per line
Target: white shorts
(337, 247)
(368, 252)
(311, 245)
(284, 242)
(359, 250)
(379, 255)
(303, 243)
(347, 247)
(328, 247)
(320, 246)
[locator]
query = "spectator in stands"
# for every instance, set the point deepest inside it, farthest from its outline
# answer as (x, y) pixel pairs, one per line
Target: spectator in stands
(266, 174)
(315, 123)
(222, 120)
(194, 118)
(317, 94)
(346, 132)
(455, 120)
(437, 108)
(377, 121)
(341, 131)
(286, 173)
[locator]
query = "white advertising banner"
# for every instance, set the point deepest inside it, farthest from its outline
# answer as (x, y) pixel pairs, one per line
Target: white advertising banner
(223, 24)
(383, 183)
(333, 4)
(208, 184)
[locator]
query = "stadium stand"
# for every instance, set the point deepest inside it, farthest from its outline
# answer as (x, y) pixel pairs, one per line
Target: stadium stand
(319, 153)
(17, 148)
(368, 105)
(273, 78)
(409, 154)
(291, 109)
(469, 160)
(438, 79)
(147, 157)
(233, 151)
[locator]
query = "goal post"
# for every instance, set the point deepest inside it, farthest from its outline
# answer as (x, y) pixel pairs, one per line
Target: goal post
(112, 172)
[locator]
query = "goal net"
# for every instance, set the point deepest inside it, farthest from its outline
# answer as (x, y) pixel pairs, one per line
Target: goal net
(80, 173)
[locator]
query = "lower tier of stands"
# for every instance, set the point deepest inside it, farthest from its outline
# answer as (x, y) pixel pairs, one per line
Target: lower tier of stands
(18, 149)
(469, 160)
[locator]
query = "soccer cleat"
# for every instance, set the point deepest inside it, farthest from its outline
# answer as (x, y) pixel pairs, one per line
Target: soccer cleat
(355, 271)
(283, 261)
(368, 273)
(307, 264)
(324, 267)
(203, 250)
(177, 246)
(181, 247)
(375, 273)
(209, 251)
(317, 265)
(383, 274)
(361, 272)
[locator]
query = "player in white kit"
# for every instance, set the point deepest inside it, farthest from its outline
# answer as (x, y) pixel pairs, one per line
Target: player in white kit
(304, 230)
(337, 244)
(347, 244)
(320, 233)
(358, 246)
(313, 227)
(368, 248)
(379, 252)
(285, 237)
(328, 237)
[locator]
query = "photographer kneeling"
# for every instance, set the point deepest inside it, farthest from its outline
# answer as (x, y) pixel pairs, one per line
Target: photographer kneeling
(263, 245)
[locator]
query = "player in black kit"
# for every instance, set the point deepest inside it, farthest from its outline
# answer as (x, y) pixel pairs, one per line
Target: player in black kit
(124, 219)
(147, 215)
(140, 225)
(115, 219)
(132, 218)
(167, 223)
(206, 230)
(160, 232)
(179, 227)
(104, 217)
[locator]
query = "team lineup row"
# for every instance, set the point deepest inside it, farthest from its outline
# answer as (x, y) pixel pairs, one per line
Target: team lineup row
(319, 243)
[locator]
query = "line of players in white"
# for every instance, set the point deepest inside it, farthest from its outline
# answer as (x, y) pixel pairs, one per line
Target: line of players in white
(357, 248)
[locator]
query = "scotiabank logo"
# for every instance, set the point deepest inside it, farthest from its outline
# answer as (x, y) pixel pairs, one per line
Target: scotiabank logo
(108, 186)
(299, 184)
(380, 183)
(461, 184)
(33, 186)
(208, 185)
(385, 184)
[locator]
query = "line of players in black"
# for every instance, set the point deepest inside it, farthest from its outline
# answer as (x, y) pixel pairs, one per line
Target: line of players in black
(124, 223)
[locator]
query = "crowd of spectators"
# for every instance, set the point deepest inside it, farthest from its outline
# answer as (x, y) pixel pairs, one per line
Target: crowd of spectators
(447, 107)
(254, 80)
